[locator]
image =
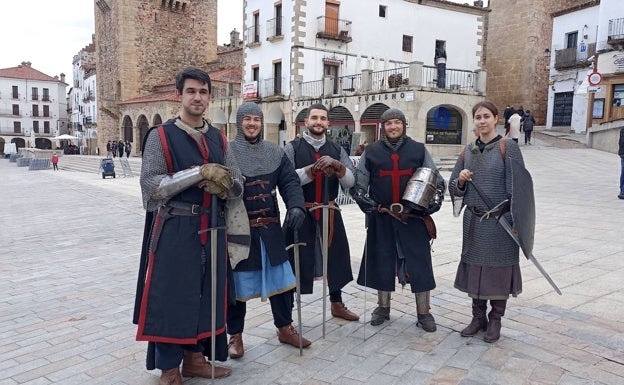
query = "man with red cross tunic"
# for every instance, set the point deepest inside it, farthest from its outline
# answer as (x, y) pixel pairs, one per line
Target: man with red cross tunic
(321, 163)
(397, 239)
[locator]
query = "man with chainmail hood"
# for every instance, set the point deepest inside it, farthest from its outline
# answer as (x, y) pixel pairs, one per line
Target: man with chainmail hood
(266, 273)
(187, 175)
(321, 165)
(397, 239)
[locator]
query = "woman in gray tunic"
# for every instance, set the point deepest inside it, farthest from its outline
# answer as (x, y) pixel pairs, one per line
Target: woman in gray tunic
(489, 268)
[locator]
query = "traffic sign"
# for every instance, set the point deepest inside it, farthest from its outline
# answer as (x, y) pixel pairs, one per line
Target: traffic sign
(594, 78)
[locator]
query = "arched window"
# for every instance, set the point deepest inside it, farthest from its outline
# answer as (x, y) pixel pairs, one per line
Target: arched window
(444, 126)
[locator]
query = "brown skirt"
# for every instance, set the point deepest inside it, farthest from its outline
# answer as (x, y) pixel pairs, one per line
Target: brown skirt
(486, 282)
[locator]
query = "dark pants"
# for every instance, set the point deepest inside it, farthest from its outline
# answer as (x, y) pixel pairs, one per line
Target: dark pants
(281, 307)
(169, 356)
(442, 75)
(527, 136)
(55, 166)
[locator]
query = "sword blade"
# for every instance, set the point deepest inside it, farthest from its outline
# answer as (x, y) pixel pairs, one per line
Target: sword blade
(214, 232)
(298, 288)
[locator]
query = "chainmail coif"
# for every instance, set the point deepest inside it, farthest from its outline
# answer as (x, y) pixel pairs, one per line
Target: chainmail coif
(393, 113)
(260, 157)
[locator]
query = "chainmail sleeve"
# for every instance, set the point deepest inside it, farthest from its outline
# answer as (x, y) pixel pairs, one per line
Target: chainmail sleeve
(153, 171)
(362, 176)
(348, 180)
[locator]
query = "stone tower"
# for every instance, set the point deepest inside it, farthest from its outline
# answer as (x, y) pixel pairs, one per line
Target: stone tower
(518, 33)
(141, 43)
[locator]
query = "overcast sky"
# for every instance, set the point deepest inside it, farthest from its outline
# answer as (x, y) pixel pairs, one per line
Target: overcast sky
(49, 35)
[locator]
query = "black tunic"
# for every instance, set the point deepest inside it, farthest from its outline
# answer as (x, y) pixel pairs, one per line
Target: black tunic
(339, 258)
(390, 243)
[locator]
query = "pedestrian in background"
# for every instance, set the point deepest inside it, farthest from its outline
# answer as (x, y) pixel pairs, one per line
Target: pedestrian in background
(527, 125)
(514, 126)
(54, 161)
(128, 148)
(440, 62)
(120, 148)
(489, 268)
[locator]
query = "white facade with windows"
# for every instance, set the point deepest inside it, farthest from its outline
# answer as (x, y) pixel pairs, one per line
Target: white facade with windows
(83, 101)
(33, 107)
(360, 58)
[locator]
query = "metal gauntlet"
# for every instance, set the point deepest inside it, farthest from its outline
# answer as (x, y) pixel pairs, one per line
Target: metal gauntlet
(180, 181)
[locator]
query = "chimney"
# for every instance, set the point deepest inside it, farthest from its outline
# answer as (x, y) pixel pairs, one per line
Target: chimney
(63, 77)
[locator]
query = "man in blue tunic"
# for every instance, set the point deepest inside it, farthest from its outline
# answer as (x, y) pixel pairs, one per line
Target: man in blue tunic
(266, 273)
(186, 177)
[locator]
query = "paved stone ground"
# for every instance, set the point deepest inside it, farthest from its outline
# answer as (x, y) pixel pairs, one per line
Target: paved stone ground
(70, 248)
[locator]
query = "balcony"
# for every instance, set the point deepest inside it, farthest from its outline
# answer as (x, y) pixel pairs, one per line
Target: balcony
(333, 29)
(88, 97)
(274, 29)
(272, 88)
(569, 58)
(616, 32)
(252, 36)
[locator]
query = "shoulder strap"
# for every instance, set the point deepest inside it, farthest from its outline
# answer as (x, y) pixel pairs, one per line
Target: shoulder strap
(165, 146)
(223, 141)
(503, 150)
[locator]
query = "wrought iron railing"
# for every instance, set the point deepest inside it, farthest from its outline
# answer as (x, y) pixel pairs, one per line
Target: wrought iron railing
(455, 79)
(273, 87)
(313, 89)
(616, 29)
(252, 35)
(388, 79)
(574, 57)
(333, 28)
(350, 84)
(274, 27)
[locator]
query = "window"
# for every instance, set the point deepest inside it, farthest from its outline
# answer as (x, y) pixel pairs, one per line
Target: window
(35, 110)
(36, 126)
(571, 39)
(46, 111)
(17, 127)
(16, 109)
(46, 127)
(255, 73)
(407, 43)
(382, 11)
(277, 80)
(618, 95)
(46, 95)
(35, 93)
(278, 20)
(256, 27)
(15, 93)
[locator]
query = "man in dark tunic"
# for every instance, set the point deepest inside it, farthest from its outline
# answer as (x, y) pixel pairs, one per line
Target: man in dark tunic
(186, 177)
(266, 273)
(397, 241)
(319, 161)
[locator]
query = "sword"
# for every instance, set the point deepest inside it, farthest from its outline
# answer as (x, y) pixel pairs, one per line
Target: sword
(295, 246)
(505, 225)
(325, 241)
(214, 233)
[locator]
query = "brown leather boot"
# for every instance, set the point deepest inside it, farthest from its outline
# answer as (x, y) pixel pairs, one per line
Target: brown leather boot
(235, 347)
(339, 310)
(195, 365)
(288, 335)
(171, 377)
(492, 334)
(479, 320)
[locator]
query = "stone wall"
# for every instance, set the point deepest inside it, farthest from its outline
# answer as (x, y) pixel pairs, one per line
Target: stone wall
(518, 33)
(140, 43)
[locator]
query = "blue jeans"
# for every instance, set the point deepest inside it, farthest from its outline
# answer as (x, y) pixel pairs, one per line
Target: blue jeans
(622, 176)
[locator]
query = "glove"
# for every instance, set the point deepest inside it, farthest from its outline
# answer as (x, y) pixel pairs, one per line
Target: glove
(365, 204)
(330, 166)
(294, 218)
(214, 189)
(217, 173)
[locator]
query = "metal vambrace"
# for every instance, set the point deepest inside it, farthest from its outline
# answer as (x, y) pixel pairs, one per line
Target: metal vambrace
(180, 181)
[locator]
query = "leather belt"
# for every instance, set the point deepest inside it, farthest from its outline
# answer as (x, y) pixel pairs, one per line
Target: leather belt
(397, 211)
(330, 233)
(184, 209)
(262, 221)
(493, 214)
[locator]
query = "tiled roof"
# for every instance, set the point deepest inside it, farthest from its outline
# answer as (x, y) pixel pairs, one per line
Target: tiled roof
(25, 71)
(228, 75)
(161, 96)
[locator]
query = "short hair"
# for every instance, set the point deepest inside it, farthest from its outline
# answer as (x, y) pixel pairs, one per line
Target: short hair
(487, 105)
(192, 73)
(316, 106)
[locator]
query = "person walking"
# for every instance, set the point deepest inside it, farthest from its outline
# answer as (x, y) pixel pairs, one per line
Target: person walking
(397, 238)
(322, 165)
(489, 269)
(514, 126)
(54, 160)
(128, 148)
(621, 154)
(120, 148)
(187, 175)
(527, 124)
(266, 273)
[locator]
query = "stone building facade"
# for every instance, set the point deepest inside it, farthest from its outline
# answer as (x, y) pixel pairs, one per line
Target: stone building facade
(142, 43)
(517, 53)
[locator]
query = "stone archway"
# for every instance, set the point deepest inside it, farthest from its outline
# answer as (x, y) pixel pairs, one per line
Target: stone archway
(157, 120)
(19, 143)
(444, 125)
(275, 126)
(341, 127)
(369, 123)
(127, 128)
(2, 146)
(142, 126)
(43, 143)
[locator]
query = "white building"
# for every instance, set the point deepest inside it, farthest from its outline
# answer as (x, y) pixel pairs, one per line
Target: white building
(574, 46)
(33, 107)
(82, 100)
(360, 58)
